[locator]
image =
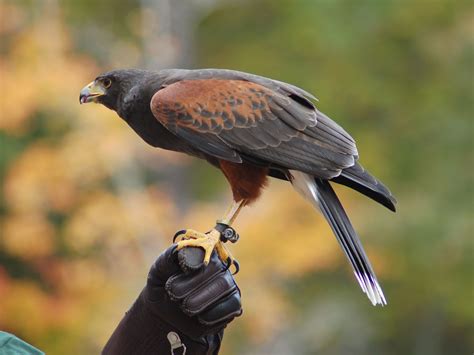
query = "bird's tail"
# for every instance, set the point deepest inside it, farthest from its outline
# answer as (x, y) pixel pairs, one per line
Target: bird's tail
(321, 195)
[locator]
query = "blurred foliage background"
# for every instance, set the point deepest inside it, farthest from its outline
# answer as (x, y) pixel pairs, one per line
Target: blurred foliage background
(86, 206)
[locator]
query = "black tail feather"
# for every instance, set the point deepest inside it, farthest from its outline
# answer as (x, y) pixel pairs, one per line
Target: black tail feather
(357, 178)
(349, 241)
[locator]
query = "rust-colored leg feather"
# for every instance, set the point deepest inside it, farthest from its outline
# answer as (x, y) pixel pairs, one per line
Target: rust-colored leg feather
(246, 181)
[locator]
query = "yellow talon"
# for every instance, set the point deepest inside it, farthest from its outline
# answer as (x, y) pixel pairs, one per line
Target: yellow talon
(206, 241)
(223, 253)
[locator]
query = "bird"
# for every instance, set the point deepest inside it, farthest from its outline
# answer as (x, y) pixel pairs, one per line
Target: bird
(252, 128)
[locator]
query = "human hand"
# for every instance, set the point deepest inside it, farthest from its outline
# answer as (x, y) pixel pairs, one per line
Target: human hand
(196, 299)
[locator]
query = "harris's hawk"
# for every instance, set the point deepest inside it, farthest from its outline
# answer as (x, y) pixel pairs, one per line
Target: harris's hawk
(250, 127)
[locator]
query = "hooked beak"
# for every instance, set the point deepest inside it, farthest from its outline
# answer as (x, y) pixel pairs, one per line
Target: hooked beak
(91, 92)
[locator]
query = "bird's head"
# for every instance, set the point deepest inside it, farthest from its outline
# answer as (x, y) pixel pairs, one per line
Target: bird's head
(110, 89)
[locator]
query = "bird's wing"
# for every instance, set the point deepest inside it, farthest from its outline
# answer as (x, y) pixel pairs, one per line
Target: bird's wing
(230, 118)
(173, 75)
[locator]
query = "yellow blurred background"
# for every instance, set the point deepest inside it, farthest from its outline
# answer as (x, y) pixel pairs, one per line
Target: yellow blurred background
(86, 206)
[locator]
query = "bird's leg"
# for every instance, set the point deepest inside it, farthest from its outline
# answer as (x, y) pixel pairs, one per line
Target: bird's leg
(232, 213)
(226, 222)
(210, 240)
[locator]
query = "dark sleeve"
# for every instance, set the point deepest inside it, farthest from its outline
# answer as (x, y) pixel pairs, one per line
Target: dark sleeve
(144, 332)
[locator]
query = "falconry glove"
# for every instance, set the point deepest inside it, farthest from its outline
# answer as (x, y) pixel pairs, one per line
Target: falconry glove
(179, 312)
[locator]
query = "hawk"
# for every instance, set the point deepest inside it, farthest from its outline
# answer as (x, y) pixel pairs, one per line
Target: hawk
(251, 128)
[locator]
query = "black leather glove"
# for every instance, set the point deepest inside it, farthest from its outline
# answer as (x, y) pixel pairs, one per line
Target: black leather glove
(183, 308)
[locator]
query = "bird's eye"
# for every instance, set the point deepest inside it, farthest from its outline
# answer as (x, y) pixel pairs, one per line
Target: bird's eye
(106, 82)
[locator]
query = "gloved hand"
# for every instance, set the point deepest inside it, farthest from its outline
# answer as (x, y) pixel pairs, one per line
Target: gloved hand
(183, 308)
(204, 299)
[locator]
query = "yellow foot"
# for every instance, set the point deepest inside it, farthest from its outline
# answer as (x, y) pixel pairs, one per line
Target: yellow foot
(207, 241)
